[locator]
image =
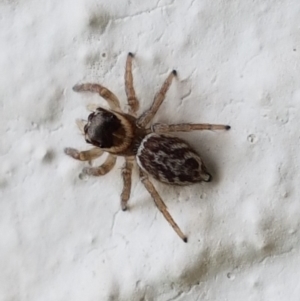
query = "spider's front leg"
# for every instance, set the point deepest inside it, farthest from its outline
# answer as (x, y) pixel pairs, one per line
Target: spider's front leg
(103, 169)
(161, 128)
(131, 97)
(160, 204)
(126, 175)
(88, 155)
(110, 97)
(148, 115)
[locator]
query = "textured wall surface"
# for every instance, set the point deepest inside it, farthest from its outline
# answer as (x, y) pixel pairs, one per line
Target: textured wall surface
(64, 237)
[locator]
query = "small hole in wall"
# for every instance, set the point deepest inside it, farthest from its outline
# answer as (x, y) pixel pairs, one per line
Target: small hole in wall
(252, 138)
(103, 54)
(230, 276)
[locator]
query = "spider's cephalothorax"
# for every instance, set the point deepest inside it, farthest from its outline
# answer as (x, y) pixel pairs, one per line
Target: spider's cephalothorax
(168, 159)
(103, 129)
(111, 131)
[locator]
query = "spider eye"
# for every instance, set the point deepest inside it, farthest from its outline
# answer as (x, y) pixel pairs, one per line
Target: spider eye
(96, 143)
(91, 116)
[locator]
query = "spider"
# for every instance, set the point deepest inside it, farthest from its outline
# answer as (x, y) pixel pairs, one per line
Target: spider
(168, 159)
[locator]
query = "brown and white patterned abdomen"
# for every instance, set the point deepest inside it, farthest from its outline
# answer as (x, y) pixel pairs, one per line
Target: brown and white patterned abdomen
(171, 160)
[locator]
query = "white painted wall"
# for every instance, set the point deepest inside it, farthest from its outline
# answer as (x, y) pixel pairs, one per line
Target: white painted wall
(65, 238)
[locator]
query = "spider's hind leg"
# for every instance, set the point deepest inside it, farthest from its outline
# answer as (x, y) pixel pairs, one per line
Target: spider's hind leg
(160, 204)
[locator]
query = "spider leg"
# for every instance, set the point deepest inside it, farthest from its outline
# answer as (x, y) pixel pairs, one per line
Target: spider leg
(103, 169)
(88, 155)
(126, 175)
(131, 97)
(160, 204)
(92, 107)
(110, 97)
(148, 115)
(81, 123)
(186, 127)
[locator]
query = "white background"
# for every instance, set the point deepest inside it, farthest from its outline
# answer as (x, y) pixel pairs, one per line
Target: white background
(64, 237)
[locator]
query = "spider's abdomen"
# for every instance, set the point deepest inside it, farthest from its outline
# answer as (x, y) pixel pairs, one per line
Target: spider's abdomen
(171, 160)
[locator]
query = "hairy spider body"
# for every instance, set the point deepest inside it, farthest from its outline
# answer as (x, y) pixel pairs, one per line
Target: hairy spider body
(168, 159)
(171, 160)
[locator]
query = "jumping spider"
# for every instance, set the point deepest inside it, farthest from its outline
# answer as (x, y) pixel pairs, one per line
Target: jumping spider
(168, 159)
